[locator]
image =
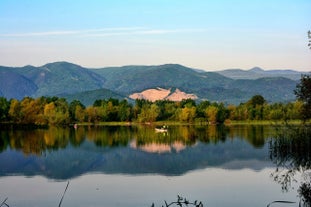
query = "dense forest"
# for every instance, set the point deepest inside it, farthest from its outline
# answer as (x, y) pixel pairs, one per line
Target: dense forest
(57, 111)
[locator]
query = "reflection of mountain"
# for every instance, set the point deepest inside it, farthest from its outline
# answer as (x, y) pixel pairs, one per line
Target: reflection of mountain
(71, 162)
(159, 147)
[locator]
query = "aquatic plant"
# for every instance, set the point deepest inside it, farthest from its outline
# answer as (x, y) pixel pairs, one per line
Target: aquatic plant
(182, 202)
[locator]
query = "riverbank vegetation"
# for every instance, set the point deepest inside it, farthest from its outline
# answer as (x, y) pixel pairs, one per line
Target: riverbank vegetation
(57, 111)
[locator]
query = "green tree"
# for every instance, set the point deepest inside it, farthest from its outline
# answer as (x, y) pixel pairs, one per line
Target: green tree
(57, 112)
(32, 112)
(124, 111)
(257, 100)
(80, 113)
(201, 107)
(256, 107)
(303, 93)
(211, 114)
(187, 114)
(73, 112)
(50, 113)
(222, 114)
(4, 109)
(187, 103)
(15, 111)
(149, 113)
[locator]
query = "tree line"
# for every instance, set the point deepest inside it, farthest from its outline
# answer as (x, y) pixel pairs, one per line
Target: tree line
(57, 111)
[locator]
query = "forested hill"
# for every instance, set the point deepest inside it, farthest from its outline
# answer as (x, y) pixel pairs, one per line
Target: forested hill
(256, 72)
(73, 81)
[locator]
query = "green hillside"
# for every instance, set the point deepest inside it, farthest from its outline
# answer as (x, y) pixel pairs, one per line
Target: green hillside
(257, 72)
(87, 98)
(273, 89)
(75, 82)
(14, 85)
(131, 79)
(61, 78)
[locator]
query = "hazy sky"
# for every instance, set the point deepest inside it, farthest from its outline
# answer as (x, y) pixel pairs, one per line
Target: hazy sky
(204, 34)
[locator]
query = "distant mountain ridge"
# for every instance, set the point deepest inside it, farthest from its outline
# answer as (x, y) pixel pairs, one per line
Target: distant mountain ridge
(257, 72)
(76, 82)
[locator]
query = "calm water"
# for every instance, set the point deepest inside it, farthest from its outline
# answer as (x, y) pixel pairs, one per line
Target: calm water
(136, 166)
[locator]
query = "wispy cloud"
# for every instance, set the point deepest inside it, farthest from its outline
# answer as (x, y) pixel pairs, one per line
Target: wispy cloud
(103, 32)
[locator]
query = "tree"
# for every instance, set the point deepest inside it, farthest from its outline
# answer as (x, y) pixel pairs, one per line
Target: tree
(4, 109)
(125, 111)
(211, 114)
(80, 113)
(15, 111)
(149, 113)
(257, 100)
(31, 111)
(255, 107)
(303, 93)
(187, 114)
(57, 113)
(50, 113)
(76, 107)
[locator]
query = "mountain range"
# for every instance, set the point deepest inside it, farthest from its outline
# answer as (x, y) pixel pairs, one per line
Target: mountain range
(75, 82)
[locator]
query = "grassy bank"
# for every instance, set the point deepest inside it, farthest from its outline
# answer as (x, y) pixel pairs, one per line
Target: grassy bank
(176, 123)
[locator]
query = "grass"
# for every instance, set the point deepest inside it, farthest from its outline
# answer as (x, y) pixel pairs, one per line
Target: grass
(266, 122)
(178, 123)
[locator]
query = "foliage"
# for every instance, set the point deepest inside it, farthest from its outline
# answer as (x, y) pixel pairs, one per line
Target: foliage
(182, 202)
(257, 100)
(4, 108)
(303, 93)
(290, 151)
(57, 111)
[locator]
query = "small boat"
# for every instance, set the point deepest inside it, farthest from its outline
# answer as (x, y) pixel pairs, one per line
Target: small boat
(162, 129)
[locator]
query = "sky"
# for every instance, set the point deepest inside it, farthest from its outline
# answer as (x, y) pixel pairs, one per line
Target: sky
(202, 34)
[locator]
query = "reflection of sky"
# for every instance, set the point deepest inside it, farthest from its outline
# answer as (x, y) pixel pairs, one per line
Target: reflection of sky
(212, 186)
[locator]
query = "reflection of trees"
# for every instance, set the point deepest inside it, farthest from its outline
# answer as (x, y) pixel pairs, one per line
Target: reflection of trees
(212, 133)
(77, 136)
(254, 134)
(112, 136)
(291, 153)
(35, 141)
(182, 134)
(39, 140)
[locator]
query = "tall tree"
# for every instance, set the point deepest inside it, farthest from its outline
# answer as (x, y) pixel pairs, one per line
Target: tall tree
(4, 109)
(15, 111)
(303, 93)
(74, 116)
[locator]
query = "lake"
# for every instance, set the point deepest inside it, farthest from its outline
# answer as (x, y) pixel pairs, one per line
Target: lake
(220, 166)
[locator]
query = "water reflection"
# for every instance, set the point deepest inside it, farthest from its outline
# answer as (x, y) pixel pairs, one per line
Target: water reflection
(63, 153)
(290, 151)
(234, 159)
(40, 140)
